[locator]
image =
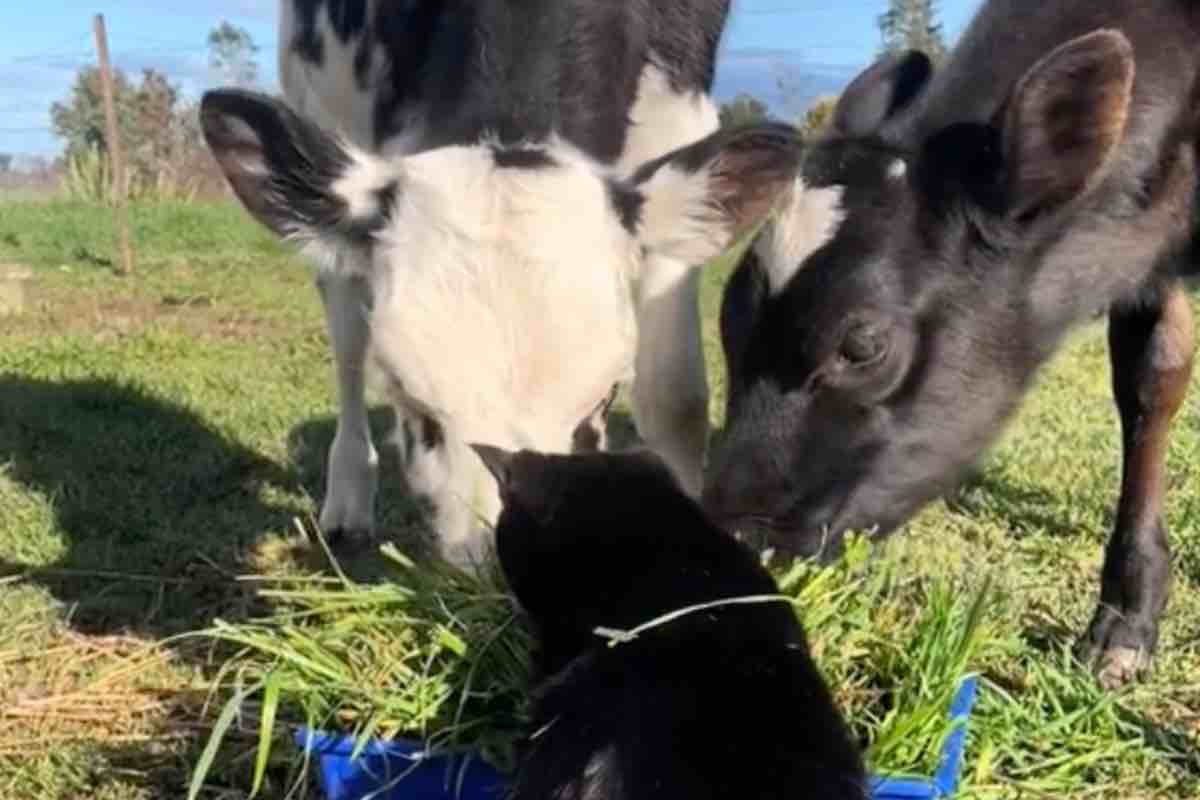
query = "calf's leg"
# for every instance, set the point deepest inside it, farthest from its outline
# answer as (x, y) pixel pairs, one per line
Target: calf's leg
(670, 388)
(1151, 348)
(353, 465)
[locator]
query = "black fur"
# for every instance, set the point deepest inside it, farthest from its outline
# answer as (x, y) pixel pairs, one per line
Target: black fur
(522, 158)
(292, 194)
(725, 703)
(521, 68)
(1016, 219)
(460, 73)
(628, 202)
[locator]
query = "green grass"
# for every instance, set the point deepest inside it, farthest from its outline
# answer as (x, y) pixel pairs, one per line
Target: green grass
(160, 433)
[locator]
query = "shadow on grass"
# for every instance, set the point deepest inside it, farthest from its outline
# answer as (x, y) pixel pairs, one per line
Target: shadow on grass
(160, 511)
(157, 508)
(399, 517)
(621, 430)
(156, 772)
(158, 514)
(1022, 509)
(1174, 741)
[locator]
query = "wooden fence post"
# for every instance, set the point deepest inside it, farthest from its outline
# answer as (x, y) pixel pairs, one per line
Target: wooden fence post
(115, 151)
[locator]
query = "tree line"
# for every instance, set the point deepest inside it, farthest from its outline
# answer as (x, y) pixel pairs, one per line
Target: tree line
(904, 25)
(158, 125)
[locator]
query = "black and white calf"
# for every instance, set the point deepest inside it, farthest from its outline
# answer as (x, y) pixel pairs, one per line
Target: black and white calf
(488, 191)
(1047, 171)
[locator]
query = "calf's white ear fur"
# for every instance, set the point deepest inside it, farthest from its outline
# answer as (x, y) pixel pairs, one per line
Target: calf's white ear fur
(295, 178)
(698, 200)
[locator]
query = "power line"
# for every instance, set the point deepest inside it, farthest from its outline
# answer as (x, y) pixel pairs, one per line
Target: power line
(66, 48)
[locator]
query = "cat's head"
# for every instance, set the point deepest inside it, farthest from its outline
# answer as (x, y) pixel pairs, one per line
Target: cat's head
(574, 529)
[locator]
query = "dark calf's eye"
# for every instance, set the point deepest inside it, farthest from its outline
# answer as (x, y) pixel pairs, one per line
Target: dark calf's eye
(863, 344)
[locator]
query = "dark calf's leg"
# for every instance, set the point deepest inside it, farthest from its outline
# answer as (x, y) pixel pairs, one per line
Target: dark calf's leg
(1151, 349)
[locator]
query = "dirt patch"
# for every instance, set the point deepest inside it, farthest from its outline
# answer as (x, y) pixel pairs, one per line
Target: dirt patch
(52, 308)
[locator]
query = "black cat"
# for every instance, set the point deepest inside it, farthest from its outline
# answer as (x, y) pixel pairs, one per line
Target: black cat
(718, 703)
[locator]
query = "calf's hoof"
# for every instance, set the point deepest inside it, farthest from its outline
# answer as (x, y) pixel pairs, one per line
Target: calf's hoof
(349, 538)
(348, 512)
(1121, 665)
(1114, 650)
(341, 525)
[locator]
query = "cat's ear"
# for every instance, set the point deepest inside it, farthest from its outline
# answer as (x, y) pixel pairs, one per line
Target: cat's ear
(498, 462)
(525, 479)
(527, 487)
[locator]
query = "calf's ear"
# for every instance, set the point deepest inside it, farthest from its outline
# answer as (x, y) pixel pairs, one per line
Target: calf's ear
(293, 177)
(696, 201)
(881, 91)
(1063, 123)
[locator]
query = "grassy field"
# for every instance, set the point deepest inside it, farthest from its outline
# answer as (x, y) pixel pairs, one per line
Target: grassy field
(160, 434)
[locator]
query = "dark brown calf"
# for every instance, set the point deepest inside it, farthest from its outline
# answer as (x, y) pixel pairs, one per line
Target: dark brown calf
(1047, 171)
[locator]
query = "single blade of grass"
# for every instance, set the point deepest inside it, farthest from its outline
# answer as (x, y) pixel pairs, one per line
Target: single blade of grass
(266, 729)
(219, 729)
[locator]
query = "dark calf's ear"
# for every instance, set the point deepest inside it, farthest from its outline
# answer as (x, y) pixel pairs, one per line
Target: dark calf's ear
(880, 92)
(293, 177)
(699, 199)
(1064, 121)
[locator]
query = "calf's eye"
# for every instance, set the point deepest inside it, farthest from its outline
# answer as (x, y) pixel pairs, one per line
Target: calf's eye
(863, 344)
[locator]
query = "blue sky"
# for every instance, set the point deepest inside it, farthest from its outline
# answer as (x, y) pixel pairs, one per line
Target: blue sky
(814, 46)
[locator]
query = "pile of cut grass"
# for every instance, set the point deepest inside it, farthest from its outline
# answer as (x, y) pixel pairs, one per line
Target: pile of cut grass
(436, 654)
(443, 657)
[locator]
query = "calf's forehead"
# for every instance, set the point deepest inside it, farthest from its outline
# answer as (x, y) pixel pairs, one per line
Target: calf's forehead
(867, 169)
(526, 195)
(847, 193)
(831, 231)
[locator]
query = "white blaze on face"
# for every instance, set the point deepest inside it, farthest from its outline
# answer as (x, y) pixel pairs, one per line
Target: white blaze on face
(806, 219)
(502, 294)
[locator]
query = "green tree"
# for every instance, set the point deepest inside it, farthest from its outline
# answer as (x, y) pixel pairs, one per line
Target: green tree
(817, 116)
(6, 162)
(912, 25)
(159, 131)
(742, 110)
(79, 119)
(231, 54)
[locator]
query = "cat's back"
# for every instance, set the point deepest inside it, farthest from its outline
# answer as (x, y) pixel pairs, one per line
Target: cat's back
(739, 709)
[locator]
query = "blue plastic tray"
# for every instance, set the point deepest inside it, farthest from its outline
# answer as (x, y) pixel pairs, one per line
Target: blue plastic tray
(398, 770)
